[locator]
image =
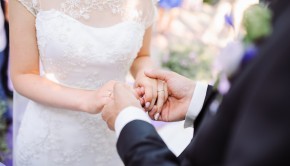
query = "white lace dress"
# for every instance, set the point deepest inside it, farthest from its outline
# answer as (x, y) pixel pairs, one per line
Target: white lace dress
(82, 44)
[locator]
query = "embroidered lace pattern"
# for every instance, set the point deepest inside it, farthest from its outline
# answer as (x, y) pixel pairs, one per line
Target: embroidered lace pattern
(76, 55)
(82, 9)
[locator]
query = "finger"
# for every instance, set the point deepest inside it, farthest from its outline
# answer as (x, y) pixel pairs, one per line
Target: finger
(161, 96)
(160, 101)
(159, 74)
(153, 112)
(137, 93)
(142, 101)
(124, 95)
(156, 116)
(142, 90)
(102, 103)
(150, 96)
(104, 113)
(165, 91)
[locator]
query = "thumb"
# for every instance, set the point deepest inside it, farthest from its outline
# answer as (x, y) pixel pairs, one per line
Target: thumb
(121, 89)
(118, 89)
(158, 74)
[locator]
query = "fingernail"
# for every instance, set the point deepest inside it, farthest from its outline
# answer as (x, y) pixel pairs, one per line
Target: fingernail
(147, 104)
(156, 116)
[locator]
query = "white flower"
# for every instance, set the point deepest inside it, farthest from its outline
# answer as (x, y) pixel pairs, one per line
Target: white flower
(230, 57)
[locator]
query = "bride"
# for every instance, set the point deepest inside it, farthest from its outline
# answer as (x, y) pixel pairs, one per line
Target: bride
(63, 55)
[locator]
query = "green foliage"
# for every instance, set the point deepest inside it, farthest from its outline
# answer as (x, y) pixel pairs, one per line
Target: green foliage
(257, 23)
(211, 2)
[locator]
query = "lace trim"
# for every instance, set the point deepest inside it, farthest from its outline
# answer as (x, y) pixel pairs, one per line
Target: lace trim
(32, 6)
(82, 8)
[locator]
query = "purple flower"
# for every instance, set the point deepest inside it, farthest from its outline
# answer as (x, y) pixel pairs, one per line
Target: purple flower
(224, 85)
(249, 54)
(230, 57)
(184, 63)
(229, 20)
(192, 56)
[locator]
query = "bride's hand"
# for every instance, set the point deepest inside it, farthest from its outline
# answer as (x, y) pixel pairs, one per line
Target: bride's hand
(153, 94)
(94, 101)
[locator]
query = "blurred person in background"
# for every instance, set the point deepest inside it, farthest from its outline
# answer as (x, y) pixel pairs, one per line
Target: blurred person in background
(5, 61)
(168, 11)
(3, 44)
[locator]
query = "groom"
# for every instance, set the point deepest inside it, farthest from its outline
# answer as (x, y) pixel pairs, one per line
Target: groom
(249, 128)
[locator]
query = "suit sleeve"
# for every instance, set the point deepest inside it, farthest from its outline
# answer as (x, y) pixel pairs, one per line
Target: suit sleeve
(209, 95)
(139, 144)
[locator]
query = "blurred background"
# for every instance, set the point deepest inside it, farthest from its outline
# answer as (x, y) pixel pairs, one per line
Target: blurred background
(188, 35)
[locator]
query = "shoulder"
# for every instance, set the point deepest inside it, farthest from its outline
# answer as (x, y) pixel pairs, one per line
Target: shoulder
(144, 11)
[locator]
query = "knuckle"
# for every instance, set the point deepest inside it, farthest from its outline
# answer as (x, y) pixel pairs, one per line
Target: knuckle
(103, 115)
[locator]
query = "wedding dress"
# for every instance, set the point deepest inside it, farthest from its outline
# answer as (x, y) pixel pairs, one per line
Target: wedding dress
(82, 44)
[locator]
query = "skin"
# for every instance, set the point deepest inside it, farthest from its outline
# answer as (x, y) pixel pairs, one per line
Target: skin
(180, 91)
(149, 97)
(6, 10)
(24, 69)
(123, 96)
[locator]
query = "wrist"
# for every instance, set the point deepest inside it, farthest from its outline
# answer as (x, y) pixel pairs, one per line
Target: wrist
(139, 74)
(84, 102)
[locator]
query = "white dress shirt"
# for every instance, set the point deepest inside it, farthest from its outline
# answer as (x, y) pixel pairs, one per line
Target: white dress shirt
(130, 114)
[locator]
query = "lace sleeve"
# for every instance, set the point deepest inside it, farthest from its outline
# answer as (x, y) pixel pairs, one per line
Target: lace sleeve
(144, 12)
(150, 14)
(31, 5)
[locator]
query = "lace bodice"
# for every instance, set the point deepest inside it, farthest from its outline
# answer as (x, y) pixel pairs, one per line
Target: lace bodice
(85, 43)
(82, 44)
(98, 13)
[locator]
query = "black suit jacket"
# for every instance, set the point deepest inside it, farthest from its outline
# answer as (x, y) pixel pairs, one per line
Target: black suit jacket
(251, 126)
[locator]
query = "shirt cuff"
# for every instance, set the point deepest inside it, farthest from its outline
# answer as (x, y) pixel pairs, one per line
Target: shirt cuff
(196, 104)
(128, 115)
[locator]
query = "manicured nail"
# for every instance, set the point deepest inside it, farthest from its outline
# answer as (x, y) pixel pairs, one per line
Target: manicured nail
(156, 116)
(147, 104)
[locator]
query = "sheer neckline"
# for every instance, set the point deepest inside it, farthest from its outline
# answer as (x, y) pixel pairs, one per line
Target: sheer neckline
(101, 14)
(53, 11)
(82, 9)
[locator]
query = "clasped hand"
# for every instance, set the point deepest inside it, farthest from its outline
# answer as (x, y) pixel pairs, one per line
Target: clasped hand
(164, 95)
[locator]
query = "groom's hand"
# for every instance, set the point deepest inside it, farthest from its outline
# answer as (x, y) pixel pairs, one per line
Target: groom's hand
(180, 91)
(123, 96)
